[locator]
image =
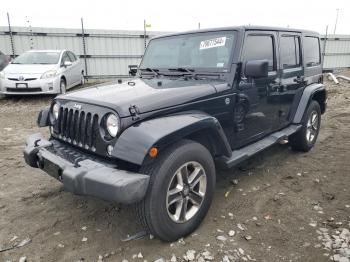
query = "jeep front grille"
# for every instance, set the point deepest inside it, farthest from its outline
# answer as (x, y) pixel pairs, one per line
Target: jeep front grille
(78, 127)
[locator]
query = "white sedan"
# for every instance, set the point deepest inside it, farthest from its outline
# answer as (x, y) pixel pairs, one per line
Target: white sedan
(42, 72)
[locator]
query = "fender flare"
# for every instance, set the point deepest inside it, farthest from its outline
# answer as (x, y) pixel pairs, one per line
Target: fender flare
(135, 142)
(308, 94)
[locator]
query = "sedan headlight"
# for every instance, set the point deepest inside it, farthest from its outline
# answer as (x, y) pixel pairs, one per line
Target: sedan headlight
(55, 110)
(49, 74)
(2, 75)
(112, 125)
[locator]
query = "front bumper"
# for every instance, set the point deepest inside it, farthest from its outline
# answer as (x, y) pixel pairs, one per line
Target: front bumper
(81, 174)
(34, 87)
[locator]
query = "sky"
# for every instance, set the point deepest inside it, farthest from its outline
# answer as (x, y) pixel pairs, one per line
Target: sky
(178, 15)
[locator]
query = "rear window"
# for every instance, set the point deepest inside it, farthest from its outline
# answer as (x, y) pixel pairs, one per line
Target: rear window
(259, 47)
(312, 56)
(290, 51)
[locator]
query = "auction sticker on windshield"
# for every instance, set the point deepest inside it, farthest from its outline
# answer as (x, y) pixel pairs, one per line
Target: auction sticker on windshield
(211, 43)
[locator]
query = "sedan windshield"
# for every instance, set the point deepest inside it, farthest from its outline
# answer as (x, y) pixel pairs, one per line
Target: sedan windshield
(208, 50)
(45, 58)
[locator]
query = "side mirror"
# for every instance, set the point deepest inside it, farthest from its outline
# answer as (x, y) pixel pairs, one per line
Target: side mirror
(256, 68)
(67, 63)
(133, 70)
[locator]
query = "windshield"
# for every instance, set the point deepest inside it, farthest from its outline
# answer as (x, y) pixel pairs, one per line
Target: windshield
(208, 50)
(37, 58)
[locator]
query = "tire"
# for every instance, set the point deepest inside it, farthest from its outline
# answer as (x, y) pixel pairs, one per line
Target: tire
(306, 137)
(63, 86)
(156, 213)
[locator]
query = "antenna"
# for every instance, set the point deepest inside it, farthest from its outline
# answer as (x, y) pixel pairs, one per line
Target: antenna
(336, 21)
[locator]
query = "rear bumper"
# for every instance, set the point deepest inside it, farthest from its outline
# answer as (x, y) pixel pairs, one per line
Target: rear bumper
(84, 176)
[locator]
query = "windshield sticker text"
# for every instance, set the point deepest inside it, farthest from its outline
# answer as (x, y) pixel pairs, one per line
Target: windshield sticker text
(211, 43)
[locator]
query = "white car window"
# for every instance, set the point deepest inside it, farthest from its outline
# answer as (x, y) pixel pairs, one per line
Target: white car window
(72, 57)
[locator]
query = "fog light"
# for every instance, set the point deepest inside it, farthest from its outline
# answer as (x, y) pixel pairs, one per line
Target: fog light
(109, 150)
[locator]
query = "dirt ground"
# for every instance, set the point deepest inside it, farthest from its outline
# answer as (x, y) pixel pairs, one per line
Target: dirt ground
(282, 203)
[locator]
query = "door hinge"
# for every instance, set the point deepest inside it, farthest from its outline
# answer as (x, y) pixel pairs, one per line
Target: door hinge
(134, 111)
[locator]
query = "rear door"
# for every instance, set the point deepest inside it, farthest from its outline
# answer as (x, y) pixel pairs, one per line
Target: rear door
(292, 73)
(75, 67)
(256, 113)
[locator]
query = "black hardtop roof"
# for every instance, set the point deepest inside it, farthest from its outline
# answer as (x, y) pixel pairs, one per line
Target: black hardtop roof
(244, 28)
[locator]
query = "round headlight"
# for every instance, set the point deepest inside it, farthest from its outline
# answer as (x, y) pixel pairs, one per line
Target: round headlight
(112, 124)
(55, 110)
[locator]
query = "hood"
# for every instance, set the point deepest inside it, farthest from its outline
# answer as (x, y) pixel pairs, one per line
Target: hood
(146, 94)
(18, 69)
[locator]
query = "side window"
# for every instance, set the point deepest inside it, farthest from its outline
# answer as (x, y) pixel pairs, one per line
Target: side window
(290, 51)
(259, 47)
(312, 54)
(72, 57)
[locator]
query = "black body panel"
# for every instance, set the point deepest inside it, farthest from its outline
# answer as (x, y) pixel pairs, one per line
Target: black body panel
(232, 114)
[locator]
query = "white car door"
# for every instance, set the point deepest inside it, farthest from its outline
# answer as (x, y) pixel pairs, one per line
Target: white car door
(68, 71)
(76, 68)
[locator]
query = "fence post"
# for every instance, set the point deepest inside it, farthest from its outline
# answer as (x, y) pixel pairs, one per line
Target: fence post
(84, 46)
(144, 33)
(324, 46)
(11, 36)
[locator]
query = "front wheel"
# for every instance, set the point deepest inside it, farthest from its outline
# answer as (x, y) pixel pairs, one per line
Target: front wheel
(306, 137)
(180, 192)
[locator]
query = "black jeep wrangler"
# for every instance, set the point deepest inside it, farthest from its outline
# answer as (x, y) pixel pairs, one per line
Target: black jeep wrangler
(201, 100)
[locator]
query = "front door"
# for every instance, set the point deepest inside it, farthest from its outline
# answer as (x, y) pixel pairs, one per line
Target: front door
(257, 108)
(67, 71)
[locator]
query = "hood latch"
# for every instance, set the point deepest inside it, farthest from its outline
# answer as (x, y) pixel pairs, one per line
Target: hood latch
(134, 111)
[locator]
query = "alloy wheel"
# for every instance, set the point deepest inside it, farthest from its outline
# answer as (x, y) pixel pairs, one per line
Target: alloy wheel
(186, 192)
(312, 127)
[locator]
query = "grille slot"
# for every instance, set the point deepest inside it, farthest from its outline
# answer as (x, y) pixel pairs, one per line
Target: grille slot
(78, 127)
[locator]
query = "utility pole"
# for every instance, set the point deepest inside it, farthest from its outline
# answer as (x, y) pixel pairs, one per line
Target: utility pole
(84, 46)
(199, 25)
(336, 21)
(11, 36)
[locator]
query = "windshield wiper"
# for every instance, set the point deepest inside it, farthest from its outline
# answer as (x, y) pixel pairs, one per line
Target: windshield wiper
(182, 69)
(152, 70)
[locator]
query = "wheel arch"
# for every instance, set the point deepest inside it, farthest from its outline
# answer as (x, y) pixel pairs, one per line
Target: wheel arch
(321, 96)
(63, 78)
(315, 92)
(135, 142)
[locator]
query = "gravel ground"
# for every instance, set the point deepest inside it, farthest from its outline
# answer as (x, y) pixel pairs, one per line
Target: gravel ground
(278, 206)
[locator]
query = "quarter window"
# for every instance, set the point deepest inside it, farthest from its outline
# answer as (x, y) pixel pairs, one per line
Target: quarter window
(290, 51)
(260, 47)
(312, 51)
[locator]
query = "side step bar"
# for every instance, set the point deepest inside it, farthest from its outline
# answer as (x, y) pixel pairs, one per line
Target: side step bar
(246, 152)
